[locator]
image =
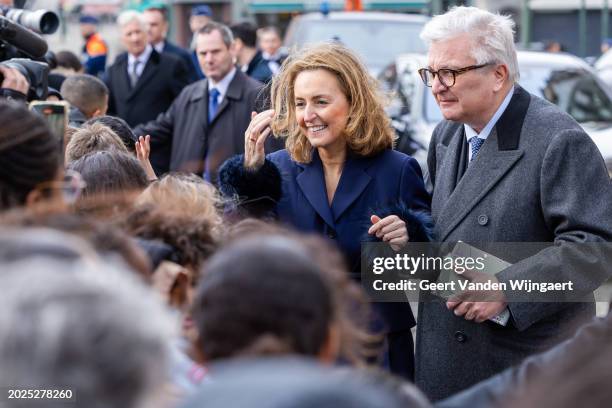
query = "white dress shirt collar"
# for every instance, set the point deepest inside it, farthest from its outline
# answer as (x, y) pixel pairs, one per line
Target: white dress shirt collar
(269, 57)
(223, 84)
(486, 131)
(159, 47)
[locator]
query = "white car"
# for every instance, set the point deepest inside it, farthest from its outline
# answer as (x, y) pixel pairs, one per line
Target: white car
(376, 36)
(562, 79)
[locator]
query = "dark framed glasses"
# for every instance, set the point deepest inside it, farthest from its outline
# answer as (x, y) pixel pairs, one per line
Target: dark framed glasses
(446, 76)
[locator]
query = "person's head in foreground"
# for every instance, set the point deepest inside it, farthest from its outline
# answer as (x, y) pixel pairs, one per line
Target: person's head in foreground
(179, 211)
(268, 297)
(119, 126)
(81, 326)
(325, 98)
(297, 383)
(30, 156)
(87, 93)
(92, 138)
(472, 63)
(110, 172)
(358, 345)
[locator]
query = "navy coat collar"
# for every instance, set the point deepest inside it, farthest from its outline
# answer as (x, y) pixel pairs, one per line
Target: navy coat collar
(353, 182)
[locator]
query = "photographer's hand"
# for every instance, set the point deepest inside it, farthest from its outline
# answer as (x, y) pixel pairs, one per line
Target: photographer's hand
(14, 80)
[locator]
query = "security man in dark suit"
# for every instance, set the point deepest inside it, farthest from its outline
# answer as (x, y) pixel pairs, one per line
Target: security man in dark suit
(206, 123)
(250, 58)
(157, 31)
(142, 82)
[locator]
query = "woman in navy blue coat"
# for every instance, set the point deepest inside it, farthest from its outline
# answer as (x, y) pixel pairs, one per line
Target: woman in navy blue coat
(338, 175)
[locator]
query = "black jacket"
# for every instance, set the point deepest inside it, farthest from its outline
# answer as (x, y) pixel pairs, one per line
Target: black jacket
(162, 79)
(258, 69)
(170, 48)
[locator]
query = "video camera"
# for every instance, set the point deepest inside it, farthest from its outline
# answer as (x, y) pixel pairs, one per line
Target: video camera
(23, 49)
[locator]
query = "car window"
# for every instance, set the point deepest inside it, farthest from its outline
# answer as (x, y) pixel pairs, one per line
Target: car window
(377, 42)
(576, 91)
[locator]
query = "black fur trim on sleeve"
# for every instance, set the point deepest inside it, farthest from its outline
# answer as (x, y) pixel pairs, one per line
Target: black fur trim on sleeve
(254, 193)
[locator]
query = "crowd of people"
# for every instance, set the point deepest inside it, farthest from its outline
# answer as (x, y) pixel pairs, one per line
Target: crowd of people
(195, 238)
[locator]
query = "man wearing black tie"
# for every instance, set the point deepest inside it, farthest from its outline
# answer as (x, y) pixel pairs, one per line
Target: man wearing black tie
(206, 123)
(142, 82)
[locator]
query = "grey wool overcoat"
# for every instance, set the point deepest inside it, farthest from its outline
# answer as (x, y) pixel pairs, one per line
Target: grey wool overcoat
(537, 178)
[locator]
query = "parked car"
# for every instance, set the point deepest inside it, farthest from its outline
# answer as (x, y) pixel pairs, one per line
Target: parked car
(562, 79)
(377, 37)
(603, 66)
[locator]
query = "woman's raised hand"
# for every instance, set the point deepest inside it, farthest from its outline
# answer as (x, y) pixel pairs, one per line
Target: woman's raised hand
(255, 137)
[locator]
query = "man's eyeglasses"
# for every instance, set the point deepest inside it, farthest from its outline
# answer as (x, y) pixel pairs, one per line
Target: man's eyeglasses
(446, 76)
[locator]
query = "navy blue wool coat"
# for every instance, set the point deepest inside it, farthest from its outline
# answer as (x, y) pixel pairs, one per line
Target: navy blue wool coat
(388, 183)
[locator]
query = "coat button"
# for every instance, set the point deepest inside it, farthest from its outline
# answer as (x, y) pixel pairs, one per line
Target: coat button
(483, 219)
(460, 337)
(331, 234)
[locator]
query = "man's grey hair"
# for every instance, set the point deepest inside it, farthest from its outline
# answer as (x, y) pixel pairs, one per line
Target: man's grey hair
(128, 16)
(87, 327)
(492, 35)
(226, 33)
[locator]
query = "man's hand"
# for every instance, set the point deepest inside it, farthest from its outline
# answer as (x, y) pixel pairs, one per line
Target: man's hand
(478, 305)
(391, 229)
(14, 80)
(476, 311)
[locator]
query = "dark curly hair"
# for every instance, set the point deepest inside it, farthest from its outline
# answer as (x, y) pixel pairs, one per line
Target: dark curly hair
(194, 240)
(181, 211)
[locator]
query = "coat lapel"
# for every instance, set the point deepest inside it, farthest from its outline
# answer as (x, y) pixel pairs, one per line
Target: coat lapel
(353, 181)
(481, 176)
(497, 156)
(122, 75)
(446, 174)
(312, 183)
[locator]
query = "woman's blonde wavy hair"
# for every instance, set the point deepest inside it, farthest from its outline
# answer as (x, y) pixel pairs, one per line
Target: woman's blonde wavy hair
(368, 130)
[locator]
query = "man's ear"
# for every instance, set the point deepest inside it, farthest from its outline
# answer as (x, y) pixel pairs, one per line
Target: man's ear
(236, 46)
(331, 348)
(34, 197)
(501, 76)
(96, 113)
(170, 280)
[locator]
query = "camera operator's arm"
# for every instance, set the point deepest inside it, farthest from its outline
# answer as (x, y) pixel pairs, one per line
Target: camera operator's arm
(14, 85)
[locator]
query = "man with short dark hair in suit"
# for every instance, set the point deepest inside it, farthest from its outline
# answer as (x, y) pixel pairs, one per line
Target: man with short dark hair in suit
(505, 167)
(206, 123)
(249, 57)
(157, 31)
(142, 82)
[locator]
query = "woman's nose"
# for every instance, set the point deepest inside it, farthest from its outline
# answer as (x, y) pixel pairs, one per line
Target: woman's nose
(309, 113)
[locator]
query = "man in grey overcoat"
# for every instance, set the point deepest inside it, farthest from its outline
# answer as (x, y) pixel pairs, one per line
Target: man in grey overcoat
(504, 166)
